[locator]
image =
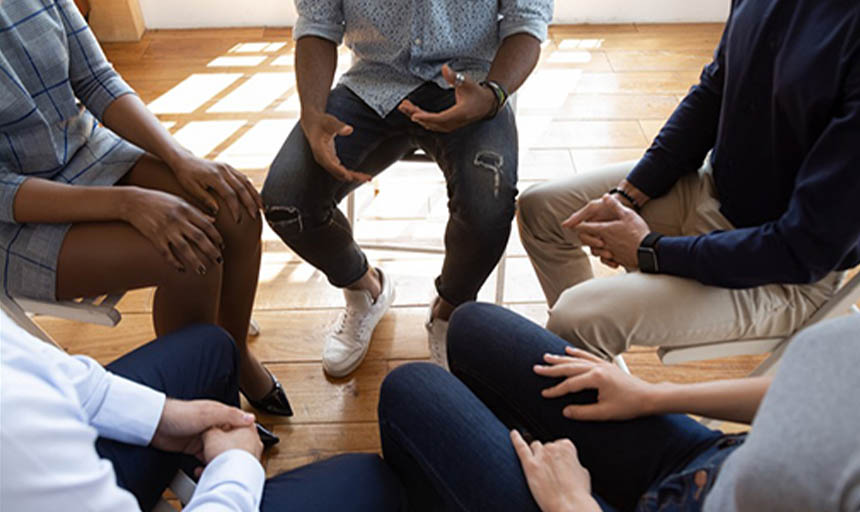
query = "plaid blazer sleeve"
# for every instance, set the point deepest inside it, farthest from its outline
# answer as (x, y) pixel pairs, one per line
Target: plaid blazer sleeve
(93, 78)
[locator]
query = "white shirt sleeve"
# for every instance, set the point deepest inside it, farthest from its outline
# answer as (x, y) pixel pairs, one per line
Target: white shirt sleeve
(118, 408)
(53, 408)
(232, 481)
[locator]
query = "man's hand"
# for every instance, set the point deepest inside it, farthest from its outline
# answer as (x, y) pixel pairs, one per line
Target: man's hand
(620, 396)
(612, 231)
(473, 103)
(320, 131)
(219, 440)
(183, 424)
(557, 480)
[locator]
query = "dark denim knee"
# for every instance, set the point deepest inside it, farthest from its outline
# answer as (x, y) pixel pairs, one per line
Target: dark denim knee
(404, 387)
(464, 328)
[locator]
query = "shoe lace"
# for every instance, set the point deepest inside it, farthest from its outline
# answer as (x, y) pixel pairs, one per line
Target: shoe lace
(348, 320)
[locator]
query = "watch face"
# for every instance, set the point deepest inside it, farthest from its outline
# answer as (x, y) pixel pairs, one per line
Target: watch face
(647, 260)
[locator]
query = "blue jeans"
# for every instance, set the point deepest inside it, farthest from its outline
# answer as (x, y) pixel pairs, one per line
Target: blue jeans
(479, 162)
(447, 436)
(202, 362)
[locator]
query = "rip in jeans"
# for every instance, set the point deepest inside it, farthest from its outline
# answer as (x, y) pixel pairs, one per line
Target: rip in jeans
(493, 162)
(284, 216)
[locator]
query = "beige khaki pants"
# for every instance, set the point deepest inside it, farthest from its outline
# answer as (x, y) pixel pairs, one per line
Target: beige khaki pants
(607, 315)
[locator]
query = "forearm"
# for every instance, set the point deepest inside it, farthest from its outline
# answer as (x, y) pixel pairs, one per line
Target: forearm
(316, 61)
(131, 120)
(44, 201)
(731, 400)
(515, 59)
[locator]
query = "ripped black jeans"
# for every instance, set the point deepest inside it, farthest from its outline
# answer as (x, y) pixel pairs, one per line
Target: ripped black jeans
(479, 162)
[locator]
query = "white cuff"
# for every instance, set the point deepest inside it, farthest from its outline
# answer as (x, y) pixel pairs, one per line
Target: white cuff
(130, 412)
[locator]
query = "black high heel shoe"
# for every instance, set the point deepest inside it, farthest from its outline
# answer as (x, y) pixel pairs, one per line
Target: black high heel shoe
(267, 437)
(275, 401)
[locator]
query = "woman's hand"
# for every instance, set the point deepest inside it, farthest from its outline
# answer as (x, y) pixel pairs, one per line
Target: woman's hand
(180, 232)
(620, 396)
(557, 480)
(201, 178)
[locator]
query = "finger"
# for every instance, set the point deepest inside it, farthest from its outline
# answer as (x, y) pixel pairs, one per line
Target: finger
(331, 163)
(335, 127)
(594, 229)
(167, 254)
(583, 214)
(591, 241)
(223, 415)
(246, 181)
(603, 254)
(585, 412)
(198, 471)
(609, 262)
(442, 118)
(202, 243)
(449, 75)
(207, 225)
(408, 108)
(203, 197)
(537, 448)
(562, 370)
(184, 252)
(241, 191)
(521, 447)
(582, 354)
(223, 188)
(570, 385)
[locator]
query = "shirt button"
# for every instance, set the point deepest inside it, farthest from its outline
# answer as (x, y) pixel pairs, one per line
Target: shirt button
(418, 41)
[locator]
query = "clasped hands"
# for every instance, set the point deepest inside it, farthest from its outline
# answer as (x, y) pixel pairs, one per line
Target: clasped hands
(611, 230)
(205, 429)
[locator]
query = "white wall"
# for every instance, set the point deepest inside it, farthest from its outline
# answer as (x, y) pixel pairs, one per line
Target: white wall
(279, 13)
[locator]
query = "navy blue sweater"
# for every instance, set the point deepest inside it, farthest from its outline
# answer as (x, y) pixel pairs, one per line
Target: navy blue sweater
(780, 108)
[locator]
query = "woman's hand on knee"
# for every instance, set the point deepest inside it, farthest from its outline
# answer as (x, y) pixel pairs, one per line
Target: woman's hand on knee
(180, 232)
(203, 179)
(620, 396)
(556, 479)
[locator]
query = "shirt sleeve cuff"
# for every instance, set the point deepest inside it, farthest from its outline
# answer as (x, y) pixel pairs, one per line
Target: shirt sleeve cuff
(235, 476)
(101, 97)
(675, 256)
(534, 27)
(305, 27)
(130, 412)
(9, 185)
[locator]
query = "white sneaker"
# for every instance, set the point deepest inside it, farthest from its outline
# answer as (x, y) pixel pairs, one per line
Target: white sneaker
(437, 338)
(347, 343)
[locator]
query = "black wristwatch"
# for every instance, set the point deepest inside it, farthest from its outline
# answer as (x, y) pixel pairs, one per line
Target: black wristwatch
(647, 253)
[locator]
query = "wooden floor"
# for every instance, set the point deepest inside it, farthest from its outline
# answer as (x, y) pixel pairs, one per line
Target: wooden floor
(598, 96)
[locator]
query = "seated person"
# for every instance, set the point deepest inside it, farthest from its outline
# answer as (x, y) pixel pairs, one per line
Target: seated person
(72, 432)
(448, 436)
(100, 198)
(749, 244)
(400, 95)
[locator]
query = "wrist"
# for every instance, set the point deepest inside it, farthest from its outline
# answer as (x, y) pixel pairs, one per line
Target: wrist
(634, 193)
(658, 398)
(125, 200)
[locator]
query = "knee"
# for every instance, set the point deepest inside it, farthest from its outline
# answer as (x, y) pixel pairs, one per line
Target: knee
(464, 327)
(405, 386)
(242, 235)
(532, 212)
(212, 345)
(587, 321)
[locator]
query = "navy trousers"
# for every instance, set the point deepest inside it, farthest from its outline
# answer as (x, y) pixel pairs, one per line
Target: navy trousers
(201, 362)
(447, 436)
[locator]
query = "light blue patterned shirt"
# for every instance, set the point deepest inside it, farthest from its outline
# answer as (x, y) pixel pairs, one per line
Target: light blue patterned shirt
(400, 44)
